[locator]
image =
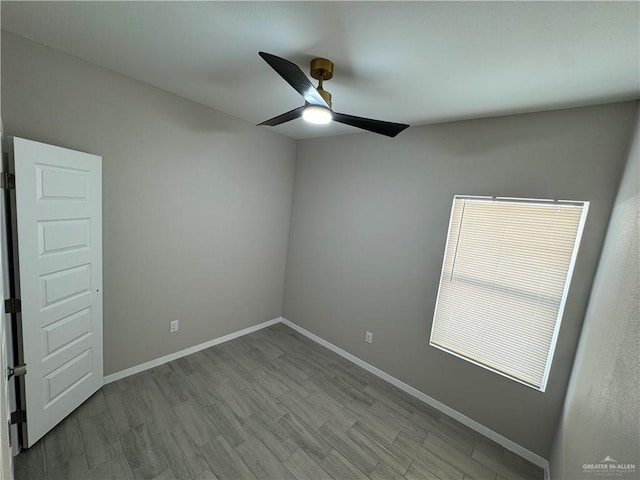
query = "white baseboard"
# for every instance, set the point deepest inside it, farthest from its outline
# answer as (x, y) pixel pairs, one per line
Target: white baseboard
(432, 402)
(187, 351)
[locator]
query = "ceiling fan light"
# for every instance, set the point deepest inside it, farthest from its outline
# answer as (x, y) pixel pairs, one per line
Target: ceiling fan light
(317, 114)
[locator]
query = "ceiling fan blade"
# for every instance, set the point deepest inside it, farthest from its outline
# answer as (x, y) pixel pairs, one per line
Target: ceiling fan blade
(294, 77)
(390, 129)
(285, 117)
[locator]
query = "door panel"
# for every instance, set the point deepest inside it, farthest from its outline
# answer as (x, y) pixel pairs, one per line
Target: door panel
(59, 223)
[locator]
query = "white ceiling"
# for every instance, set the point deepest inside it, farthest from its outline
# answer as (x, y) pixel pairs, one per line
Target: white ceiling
(407, 62)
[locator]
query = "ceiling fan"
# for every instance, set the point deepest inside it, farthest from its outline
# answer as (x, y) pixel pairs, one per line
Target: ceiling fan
(317, 108)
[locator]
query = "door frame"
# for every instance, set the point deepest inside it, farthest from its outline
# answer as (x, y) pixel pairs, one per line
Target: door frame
(15, 354)
(9, 434)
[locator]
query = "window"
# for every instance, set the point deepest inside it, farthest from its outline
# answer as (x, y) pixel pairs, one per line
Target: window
(505, 276)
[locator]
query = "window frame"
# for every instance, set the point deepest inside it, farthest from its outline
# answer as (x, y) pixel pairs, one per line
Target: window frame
(565, 291)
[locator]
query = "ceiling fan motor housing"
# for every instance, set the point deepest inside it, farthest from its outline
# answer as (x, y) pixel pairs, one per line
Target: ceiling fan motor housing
(321, 69)
(324, 94)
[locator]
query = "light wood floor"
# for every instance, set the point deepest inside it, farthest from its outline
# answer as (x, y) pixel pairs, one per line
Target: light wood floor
(270, 405)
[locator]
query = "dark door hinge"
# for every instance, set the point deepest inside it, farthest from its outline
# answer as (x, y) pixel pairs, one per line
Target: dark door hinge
(19, 416)
(8, 181)
(17, 371)
(12, 305)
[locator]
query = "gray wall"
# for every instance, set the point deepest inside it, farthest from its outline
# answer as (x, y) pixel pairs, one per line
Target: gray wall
(196, 203)
(601, 415)
(368, 230)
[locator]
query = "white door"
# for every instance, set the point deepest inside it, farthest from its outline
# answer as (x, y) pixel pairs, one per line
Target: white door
(59, 223)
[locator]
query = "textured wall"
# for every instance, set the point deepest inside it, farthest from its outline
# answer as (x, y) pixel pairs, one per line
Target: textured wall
(601, 415)
(196, 203)
(368, 230)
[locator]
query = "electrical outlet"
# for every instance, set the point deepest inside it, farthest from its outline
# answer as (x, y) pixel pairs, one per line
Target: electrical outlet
(173, 326)
(368, 337)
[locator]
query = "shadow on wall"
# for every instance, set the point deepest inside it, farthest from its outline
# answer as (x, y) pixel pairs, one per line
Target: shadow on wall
(598, 434)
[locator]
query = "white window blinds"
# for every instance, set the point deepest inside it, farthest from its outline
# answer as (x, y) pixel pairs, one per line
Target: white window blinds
(504, 281)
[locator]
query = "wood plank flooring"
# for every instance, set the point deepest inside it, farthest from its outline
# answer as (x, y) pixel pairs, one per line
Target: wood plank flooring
(270, 405)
